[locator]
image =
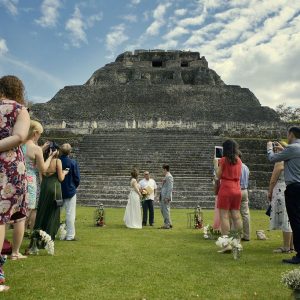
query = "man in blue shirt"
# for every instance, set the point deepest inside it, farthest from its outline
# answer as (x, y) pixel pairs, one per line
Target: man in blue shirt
(244, 210)
(291, 157)
(68, 187)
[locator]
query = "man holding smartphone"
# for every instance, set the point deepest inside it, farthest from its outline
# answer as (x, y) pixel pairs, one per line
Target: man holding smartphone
(291, 157)
(68, 187)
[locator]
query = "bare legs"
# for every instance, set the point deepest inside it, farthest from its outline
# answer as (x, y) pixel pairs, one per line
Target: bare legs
(287, 240)
(2, 236)
(18, 234)
(30, 219)
(225, 220)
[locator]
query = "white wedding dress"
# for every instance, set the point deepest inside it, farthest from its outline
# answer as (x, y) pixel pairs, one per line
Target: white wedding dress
(133, 216)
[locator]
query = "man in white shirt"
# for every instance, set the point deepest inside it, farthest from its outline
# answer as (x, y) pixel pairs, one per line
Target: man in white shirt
(149, 198)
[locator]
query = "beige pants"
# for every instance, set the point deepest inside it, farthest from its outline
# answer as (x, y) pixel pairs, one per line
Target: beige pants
(245, 213)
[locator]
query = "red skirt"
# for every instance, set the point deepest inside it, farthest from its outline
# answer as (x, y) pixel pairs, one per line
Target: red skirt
(230, 195)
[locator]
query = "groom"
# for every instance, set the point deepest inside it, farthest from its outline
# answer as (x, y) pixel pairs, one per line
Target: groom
(165, 197)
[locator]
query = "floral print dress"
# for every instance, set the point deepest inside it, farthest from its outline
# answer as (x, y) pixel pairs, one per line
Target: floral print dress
(13, 183)
(279, 218)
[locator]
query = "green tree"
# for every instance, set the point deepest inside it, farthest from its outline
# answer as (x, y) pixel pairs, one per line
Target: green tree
(288, 113)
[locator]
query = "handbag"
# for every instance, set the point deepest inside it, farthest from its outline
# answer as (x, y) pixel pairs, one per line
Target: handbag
(7, 247)
(268, 211)
(59, 202)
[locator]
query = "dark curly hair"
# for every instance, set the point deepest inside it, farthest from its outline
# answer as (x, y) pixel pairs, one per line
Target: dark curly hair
(12, 88)
(231, 151)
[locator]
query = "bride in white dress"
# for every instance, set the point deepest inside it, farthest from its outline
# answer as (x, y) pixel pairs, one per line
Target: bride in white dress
(133, 217)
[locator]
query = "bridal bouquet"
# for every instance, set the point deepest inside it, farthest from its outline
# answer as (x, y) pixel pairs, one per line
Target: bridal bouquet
(209, 233)
(231, 242)
(146, 192)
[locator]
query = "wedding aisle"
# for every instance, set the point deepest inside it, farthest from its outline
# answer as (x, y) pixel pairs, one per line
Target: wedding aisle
(114, 262)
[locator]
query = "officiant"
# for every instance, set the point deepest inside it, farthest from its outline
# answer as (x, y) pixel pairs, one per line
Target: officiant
(148, 190)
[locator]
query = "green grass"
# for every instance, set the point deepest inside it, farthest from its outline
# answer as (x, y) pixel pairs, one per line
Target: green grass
(119, 263)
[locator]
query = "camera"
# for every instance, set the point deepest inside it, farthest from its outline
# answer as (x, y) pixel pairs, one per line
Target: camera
(53, 146)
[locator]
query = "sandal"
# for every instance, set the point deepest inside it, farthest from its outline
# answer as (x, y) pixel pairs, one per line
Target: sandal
(282, 250)
(17, 256)
(4, 288)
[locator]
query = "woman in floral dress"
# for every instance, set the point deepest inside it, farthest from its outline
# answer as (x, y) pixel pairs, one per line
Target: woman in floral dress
(14, 126)
(279, 218)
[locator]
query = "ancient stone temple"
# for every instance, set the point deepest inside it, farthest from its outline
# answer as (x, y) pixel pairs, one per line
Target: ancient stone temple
(153, 107)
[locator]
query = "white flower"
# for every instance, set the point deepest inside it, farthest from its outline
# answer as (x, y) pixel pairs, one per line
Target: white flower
(8, 191)
(8, 156)
(21, 168)
(3, 179)
(3, 121)
(6, 109)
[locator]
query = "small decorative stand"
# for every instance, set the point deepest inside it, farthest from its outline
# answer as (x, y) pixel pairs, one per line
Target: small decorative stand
(198, 218)
(100, 216)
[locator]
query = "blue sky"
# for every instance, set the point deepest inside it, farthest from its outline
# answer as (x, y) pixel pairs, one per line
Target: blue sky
(253, 43)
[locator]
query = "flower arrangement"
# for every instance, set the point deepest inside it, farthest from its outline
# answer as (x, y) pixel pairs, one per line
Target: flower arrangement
(146, 192)
(209, 233)
(62, 232)
(45, 239)
(291, 279)
(231, 242)
(49, 243)
(99, 216)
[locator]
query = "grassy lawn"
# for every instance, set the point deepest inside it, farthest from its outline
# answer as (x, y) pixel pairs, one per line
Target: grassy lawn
(119, 263)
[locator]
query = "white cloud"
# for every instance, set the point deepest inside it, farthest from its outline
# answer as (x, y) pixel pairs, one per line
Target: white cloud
(180, 12)
(49, 9)
(159, 21)
(10, 5)
(76, 27)
(135, 2)
(175, 33)
(91, 20)
(130, 18)
(116, 37)
(3, 47)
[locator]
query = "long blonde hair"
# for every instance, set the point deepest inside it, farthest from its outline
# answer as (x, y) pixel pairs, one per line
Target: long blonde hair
(35, 126)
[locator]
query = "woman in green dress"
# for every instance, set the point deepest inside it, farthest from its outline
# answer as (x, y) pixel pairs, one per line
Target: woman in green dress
(48, 213)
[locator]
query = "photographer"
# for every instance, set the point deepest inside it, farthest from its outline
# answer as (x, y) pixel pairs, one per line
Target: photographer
(291, 157)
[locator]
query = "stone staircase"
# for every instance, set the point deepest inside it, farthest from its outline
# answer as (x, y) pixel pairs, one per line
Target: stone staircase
(107, 157)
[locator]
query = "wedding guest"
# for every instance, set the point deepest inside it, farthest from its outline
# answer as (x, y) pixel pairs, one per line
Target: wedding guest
(228, 170)
(244, 210)
(69, 186)
(216, 220)
(14, 128)
(149, 199)
(35, 165)
(279, 218)
(165, 197)
(132, 217)
(48, 213)
(291, 157)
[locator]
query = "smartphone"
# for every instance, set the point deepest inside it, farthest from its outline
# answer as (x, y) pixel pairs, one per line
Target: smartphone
(218, 152)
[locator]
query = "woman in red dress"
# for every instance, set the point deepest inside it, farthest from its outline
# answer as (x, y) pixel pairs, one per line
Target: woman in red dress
(228, 170)
(14, 126)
